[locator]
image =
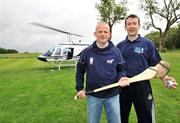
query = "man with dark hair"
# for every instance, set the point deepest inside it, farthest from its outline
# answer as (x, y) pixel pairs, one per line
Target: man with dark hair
(139, 53)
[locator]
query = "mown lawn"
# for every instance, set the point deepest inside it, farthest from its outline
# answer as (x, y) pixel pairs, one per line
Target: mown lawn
(36, 92)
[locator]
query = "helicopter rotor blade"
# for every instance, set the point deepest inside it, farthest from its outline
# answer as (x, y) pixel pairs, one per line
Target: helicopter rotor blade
(58, 30)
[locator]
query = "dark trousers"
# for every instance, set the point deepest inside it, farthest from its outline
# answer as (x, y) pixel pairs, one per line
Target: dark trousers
(140, 95)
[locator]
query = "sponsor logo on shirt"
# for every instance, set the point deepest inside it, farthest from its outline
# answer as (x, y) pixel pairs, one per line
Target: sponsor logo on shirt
(110, 61)
(91, 60)
(139, 50)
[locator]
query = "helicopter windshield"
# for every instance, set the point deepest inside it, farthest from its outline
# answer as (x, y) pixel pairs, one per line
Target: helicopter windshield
(57, 52)
(49, 52)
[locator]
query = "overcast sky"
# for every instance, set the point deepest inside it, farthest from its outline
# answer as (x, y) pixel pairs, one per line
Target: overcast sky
(76, 16)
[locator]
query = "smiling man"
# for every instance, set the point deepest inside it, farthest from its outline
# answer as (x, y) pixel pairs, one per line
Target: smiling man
(139, 54)
(103, 64)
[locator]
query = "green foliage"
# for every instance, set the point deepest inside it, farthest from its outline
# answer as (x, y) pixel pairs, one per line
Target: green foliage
(111, 12)
(172, 40)
(35, 92)
(173, 37)
(153, 36)
(5, 51)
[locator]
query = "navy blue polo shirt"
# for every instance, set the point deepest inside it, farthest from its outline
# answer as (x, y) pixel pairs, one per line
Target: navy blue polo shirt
(102, 67)
(138, 54)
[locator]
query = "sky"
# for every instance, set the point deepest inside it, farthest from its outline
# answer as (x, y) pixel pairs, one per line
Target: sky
(75, 16)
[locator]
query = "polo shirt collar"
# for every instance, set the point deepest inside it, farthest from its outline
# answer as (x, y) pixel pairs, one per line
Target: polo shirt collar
(136, 40)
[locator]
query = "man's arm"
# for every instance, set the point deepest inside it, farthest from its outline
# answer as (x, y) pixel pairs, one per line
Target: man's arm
(80, 71)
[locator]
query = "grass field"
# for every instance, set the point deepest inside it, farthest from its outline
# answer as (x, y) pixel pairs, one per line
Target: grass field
(36, 92)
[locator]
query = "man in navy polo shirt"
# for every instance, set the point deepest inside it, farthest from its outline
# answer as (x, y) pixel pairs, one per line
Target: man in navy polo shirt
(103, 64)
(139, 53)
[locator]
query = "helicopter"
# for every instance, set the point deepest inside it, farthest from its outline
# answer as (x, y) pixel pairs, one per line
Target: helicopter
(62, 52)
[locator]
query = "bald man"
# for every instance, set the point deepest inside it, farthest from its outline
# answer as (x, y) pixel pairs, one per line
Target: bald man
(103, 64)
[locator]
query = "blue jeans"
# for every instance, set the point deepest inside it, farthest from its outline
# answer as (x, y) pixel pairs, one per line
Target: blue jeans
(95, 106)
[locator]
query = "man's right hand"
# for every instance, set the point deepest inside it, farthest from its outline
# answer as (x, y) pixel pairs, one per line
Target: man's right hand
(81, 94)
(123, 82)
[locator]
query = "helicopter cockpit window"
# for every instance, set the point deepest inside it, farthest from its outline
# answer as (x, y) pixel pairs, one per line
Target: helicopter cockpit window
(57, 52)
(49, 52)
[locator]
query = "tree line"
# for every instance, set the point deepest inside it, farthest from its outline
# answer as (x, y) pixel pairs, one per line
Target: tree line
(6, 51)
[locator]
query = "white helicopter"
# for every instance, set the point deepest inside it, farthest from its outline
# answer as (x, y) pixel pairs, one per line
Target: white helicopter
(62, 52)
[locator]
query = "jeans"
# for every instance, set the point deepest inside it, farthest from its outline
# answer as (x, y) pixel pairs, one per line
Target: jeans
(95, 106)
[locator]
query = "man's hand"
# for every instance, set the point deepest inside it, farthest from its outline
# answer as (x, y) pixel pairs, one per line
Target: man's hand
(169, 82)
(81, 94)
(123, 82)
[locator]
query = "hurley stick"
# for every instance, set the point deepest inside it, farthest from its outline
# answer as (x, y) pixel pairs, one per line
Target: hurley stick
(158, 71)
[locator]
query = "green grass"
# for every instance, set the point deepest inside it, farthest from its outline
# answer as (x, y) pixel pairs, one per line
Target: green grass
(36, 92)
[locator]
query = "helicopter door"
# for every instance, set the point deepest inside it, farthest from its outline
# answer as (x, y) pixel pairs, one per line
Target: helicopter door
(70, 53)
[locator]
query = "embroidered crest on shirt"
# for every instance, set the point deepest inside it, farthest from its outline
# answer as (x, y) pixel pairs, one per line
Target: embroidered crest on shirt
(110, 61)
(139, 49)
(91, 60)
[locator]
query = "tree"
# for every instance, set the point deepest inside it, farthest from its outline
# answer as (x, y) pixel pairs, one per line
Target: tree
(111, 12)
(172, 39)
(167, 10)
(153, 36)
(178, 36)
